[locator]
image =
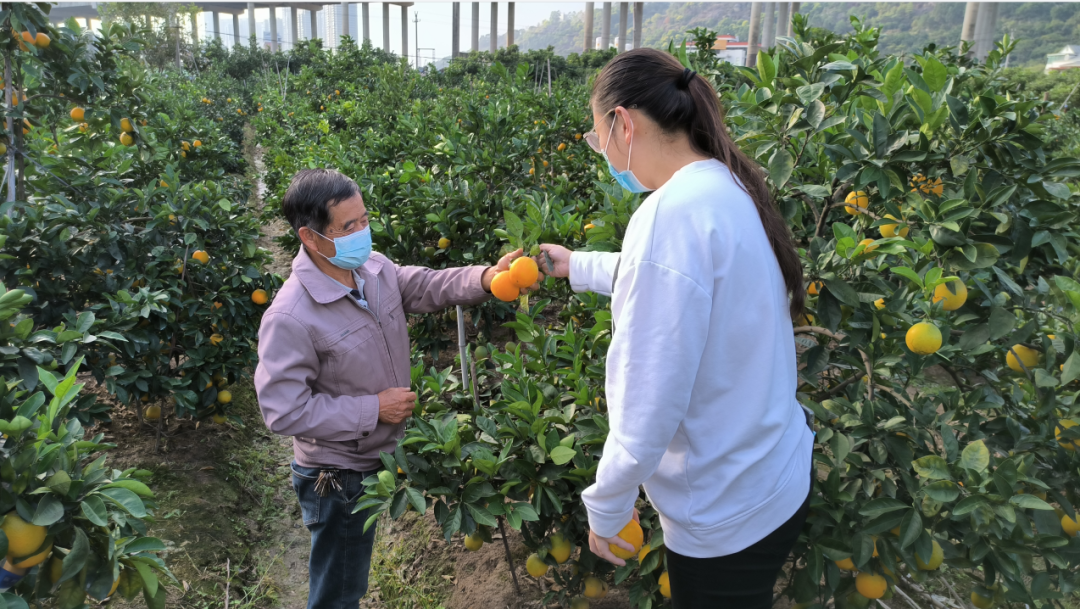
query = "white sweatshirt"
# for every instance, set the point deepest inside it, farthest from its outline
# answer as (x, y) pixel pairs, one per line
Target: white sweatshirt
(701, 371)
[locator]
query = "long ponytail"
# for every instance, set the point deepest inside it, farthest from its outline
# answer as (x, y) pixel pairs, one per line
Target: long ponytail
(680, 101)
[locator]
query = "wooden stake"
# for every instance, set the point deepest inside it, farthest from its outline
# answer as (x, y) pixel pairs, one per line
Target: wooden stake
(509, 559)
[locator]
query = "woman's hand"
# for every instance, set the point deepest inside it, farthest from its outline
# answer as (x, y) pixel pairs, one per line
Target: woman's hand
(599, 545)
(560, 258)
(504, 265)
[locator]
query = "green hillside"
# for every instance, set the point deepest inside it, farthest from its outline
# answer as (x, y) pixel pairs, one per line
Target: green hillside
(1041, 28)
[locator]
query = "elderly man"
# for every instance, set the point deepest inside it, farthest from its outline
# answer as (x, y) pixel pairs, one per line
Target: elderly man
(333, 367)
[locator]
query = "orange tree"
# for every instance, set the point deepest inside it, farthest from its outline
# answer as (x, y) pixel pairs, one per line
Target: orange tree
(78, 527)
(938, 352)
(124, 207)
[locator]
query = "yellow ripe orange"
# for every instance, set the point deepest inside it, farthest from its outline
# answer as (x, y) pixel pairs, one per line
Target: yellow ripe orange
(665, 585)
(980, 601)
(937, 555)
(152, 413)
(77, 114)
(36, 559)
(126, 126)
(814, 288)
(632, 534)
(503, 288)
(215, 339)
(845, 564)
(536, 566)
(577, 136)
(524, 272)
(56, 570)
(856, 201)
(259, 297)
(473, 543)
(953, 293)
(561, 548)
(201, 256)
(163, 184)
(42, 40)
(643, 552)
(590, 226)
(224, 397)
(532, 171)
(196, 143)
(219, 419)
(871, 585)
(1027, 355)
(1062, 425)
(1069, 525)
(595, 587)
(579, 603)
(115, 584)
(126, 139)
(868, 245)
(562, 147)
(923, 338)
(444, 243)
(893, 230)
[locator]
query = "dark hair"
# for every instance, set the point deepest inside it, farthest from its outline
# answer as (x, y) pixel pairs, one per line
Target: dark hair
(312, 193)
(680, 101)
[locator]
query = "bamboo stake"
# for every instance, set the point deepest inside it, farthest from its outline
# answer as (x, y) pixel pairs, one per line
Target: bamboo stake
(509, 559)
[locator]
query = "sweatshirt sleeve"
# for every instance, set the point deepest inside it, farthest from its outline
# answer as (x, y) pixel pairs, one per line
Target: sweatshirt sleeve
(425, 290)
(592, 271)
(651, 367)
(287, 369)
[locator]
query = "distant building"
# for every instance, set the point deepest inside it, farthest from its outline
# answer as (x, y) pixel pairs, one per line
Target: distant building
(727, 48)
(1065, 59)
(613, 44)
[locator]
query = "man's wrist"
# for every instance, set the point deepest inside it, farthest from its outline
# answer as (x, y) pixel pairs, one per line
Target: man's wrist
(486, 277)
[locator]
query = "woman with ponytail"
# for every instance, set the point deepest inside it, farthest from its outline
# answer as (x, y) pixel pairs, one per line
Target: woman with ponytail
(701, 371)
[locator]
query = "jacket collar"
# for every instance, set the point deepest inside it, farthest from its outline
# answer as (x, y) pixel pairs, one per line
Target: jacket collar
(318, 284)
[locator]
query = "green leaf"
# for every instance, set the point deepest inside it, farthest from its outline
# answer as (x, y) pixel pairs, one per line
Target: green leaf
(49, 510)
(481, 516)
(942, 490)
(932, 467)
(809, 93)
(843, 292)
(514, 226)
(127, 500)
(975, 456)
(904, 271)
(881, 505)
(150, 580)
(1060, 191)
(1030, 502)
(134, 486)
(766, 68)
(934, 74)
(93, 508)
(561, 455)
(1071, 369)
(781, 165)
(76, 558)
(1001, 322)
(881, 135)
(974, 337)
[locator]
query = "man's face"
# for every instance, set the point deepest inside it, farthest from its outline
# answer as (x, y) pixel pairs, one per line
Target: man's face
(346, 218)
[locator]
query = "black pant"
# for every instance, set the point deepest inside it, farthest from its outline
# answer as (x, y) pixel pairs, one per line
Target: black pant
(743, 580)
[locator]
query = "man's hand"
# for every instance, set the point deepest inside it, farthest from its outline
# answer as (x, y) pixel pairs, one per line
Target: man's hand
(599, 545)
(504, 265)
(560, 257)
(395, 405)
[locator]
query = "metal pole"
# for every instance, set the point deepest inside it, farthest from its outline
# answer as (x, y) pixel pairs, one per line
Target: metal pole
(755, 34)
(217, 24)
(416, 21)
(509, 24)
(455, 35)
(494, 43)
(461, 348)
(783, 18)
(475, 26)
(273, 29)
(365, 18)
(590, 9)
(386, 27)
(605, 27)
(405, 32)
(251, 20)
(639, 16)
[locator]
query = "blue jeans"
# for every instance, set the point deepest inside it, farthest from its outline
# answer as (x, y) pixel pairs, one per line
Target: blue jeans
(340, 549)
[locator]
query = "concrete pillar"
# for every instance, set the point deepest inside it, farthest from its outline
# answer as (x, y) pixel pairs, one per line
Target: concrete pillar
(217, 25)
(509, 24)
(273, 30)
(590, 8)
(754, 40)
(987, 25)
(624, 8)
(345, 29)
(605, 27)
(967, 32)
(365, 20)
(313, 24)
(294, 28)
(405, 33)
(639, 16)
(386, 27)
(795, 6)
(235, 29)
(494, 43)
(475, 26)
(783, 18)
(768, 35)
(251, 20)
(194, 27)
(455, 35)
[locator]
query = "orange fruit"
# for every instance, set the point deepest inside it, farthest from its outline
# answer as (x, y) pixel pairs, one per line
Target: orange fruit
(42, 40)
(871, 585)
(857, 201)
(1027, 355)
(868, 245)
(923, 338)
(1069, 525)
(846, 564)
(524, 272)
(590, 226)
(201, 256)
(196, 143)
(152, 413)
(224, 397)
(219, 419)
(595, 587)
(36, 559)
(259, 297)
(125, 139)
(953, 293)
(126, 126)
(77, 114)
(215, 339)
(536, 566)
(503, 287)
(632, 534)
(444, 243)
(561, 548)
(814, 288)
(473, 543)
(665, 585)
(23, 537)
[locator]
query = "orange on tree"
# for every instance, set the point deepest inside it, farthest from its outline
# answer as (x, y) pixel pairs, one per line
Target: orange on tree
(503, 288)
(1028, 356)
(56, 569)
(1062, 425)
(953, 294)
(224, 397)
(219, 419)
(42, 40)
(643, 552)
(595, 587)
(215, 339)
(444, 243)
(856, 201)
(980, 601)
(126, 126)
(185, 145)
(201, 256)
(196, 143)
(23, 537)
(814, 288)
(77, 114)
(665, 585)
(590, 226)
(562, 147)
(871, 585)
(473, 542)
(36, 559)
(845, 564)
(259, 297)
(152, 413)
(923, 338)
(868, 245)
(936, 558)
(579, 603)
(524, 272)
(632, 534)
(126, 139)
(1069, 525)
(536, 566)
(561, 548)
(893, 230)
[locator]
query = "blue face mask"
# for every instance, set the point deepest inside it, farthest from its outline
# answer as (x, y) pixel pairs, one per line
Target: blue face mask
(626, 179)
(352, 250)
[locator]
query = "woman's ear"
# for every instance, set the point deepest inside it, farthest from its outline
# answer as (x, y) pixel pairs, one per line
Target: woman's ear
(627, 130)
